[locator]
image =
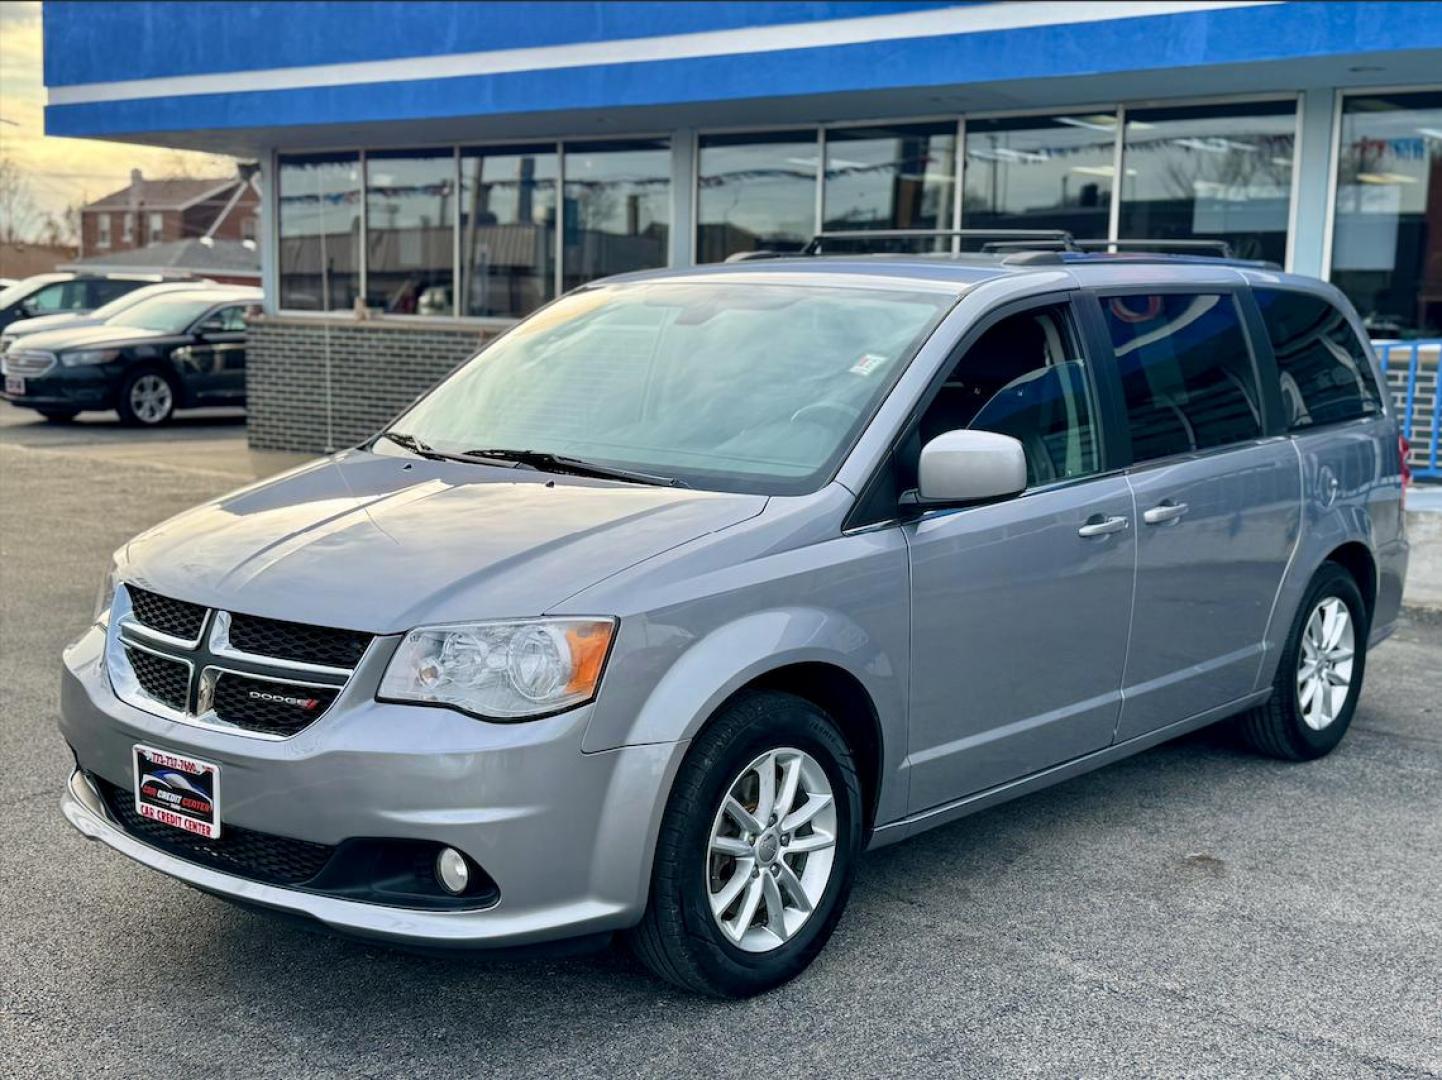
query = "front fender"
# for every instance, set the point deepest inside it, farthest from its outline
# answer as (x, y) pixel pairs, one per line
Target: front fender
(711, 668)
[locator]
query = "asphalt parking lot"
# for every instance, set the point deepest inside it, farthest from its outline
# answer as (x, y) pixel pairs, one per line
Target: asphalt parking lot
(1194, 911)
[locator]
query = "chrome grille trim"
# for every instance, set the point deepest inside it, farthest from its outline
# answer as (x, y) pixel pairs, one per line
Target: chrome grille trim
(207, 658)
(31, 363)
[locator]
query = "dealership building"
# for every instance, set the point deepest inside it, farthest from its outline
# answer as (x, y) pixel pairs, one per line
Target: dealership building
(432, 171)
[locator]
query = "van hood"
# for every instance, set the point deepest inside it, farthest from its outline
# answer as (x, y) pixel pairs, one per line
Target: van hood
(382, 544)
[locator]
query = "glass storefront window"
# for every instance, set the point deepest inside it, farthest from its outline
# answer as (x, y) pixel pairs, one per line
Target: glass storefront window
(617, 209)
(755, 191)
(410, 247)
(1387, 236)
(891, 177)
(320, 215)
(1040, 172)
(508, 229)
(1210, 172)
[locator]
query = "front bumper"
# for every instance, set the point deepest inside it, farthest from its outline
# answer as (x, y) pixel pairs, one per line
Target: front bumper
(566, 835)
(87, 387)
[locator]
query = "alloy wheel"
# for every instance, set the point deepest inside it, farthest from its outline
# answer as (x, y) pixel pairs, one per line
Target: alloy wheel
(1324, 671)
(150, 399)
(772, 849)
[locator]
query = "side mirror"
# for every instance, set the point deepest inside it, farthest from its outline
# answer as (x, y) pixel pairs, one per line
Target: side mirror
(970, 466)
(210, 326)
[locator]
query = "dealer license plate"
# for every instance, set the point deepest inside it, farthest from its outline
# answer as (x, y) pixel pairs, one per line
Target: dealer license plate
(177, 790)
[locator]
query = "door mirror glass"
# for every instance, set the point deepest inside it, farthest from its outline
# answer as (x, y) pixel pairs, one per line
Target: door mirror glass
(970, 466)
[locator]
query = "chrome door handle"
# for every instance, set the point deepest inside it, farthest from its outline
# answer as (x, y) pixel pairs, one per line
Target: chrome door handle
(1097, 525)
(1167, 511)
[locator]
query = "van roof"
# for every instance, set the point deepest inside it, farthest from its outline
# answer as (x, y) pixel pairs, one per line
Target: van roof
(959, 273)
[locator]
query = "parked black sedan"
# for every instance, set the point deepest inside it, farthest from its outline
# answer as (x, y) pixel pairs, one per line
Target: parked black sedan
(179, 350)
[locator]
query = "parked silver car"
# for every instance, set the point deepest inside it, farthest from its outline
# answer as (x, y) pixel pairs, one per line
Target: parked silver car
(698, 583)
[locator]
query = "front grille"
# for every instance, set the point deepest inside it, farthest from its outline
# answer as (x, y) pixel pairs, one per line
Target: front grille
(274, 860)
(174, 617)
(272, 708)
(30, 363)
(297, 641)
(167, 681)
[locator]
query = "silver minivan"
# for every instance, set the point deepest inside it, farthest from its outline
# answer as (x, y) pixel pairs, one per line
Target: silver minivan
(699, 583)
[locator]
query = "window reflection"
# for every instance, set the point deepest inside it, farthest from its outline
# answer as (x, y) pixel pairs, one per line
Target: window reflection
(1219, 172)
(1387, 239)
(319, 257)
(755, 191)
(1040, 172)
(410, 207)
(891, 177)
(617, 210)
(508, 229)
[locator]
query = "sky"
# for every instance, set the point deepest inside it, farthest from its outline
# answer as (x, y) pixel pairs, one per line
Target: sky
(66, 171)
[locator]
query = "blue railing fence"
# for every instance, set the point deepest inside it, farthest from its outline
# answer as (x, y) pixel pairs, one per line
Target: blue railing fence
(1410, 368)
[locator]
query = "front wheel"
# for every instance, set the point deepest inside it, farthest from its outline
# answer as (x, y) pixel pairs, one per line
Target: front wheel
(756, 852)
(147, 399)
(1319, 677)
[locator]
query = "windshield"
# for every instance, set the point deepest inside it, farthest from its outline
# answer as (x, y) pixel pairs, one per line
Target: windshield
(106, 312)
(730, 386)
(167, 314)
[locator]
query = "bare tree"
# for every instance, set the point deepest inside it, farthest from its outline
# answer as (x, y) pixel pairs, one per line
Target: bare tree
(18, 215)
(62, 229)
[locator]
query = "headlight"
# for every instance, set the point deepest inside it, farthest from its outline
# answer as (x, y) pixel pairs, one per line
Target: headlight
(106, 596)
(82, 357)
(501, 670)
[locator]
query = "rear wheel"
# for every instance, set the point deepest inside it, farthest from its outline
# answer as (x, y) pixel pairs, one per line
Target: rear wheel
(147, 398)
(1320, 674)
(756, 852)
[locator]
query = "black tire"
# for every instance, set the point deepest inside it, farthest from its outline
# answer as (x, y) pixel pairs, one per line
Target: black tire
(1277, 728)
(678, 938)
(126, 407)
(59, 416)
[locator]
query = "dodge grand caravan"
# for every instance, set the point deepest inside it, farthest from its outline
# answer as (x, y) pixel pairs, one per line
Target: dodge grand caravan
(698, 583)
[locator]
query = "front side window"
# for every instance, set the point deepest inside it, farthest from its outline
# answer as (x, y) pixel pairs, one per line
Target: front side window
(755, 191)
(618, 208)
(320, 253)
(1325, 372)
(1041, 172)
(1186, 372)
(730, 386)
(60, 296)
(410, 245)
(1389, 212)
(1024, 377)
(1210, 172)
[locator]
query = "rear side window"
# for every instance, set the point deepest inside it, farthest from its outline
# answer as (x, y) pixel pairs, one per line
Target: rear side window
(1186, 372)
(1325, 373)
(106, 290)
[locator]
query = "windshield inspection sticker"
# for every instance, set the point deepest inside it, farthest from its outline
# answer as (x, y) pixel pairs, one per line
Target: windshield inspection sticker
(868, 363)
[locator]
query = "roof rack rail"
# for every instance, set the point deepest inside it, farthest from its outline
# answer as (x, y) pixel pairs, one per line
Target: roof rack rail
(1029, 239)
(1219, 248)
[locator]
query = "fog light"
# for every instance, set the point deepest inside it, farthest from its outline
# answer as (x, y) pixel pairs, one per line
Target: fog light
(452, 871)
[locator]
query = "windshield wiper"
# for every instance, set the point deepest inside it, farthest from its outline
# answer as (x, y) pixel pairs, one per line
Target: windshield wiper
(414, 445)
(548, 462)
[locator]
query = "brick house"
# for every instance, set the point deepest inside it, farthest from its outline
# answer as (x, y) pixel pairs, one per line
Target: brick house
(149, 212)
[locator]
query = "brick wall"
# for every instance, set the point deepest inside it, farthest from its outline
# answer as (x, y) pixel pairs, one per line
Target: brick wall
(377, 368)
